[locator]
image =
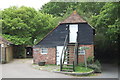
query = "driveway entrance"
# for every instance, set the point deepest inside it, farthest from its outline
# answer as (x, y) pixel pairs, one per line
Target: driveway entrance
(108, 71)
(22, 68)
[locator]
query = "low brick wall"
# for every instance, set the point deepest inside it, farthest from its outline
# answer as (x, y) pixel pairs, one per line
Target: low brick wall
(49, 58)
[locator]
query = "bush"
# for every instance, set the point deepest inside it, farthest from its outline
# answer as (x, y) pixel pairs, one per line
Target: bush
(96, 66)
(90, 60)
(19, 51)
(81, 64)
(3, 62)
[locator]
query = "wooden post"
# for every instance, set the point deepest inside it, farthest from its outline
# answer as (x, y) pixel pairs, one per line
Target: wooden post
(85, 60)
(75, 54)
(61, 65)
(75, 63)
(73, 66)
(25, 53)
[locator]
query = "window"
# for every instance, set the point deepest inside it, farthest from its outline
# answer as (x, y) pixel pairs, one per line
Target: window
(44, 51)
(81, 52)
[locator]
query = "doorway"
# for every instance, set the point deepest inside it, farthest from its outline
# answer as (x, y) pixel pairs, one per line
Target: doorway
(29, 52)
(73, 33)
(58, 55)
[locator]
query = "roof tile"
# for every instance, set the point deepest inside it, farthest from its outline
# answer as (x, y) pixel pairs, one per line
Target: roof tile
(5, 41)
(74, 18)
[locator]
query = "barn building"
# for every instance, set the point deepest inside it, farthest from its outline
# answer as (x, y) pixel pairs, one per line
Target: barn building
(69, 42)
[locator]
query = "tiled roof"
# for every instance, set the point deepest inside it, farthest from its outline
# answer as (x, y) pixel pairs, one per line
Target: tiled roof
(5, 41)
(74, 18)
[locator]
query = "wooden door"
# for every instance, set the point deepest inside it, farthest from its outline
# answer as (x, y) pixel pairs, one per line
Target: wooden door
(73, 33)
(58, 55)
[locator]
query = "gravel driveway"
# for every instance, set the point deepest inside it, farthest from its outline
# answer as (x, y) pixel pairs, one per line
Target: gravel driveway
(22, 68)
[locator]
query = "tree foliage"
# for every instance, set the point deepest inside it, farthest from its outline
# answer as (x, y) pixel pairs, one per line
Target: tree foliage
(107, 24)
(55, 8)
(109, 20)
(22, 25)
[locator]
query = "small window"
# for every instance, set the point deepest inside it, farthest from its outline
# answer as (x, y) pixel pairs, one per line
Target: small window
(44, 51)
(81, 52)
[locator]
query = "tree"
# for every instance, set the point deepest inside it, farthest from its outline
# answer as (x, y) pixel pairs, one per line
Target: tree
(62, 9)
(0, 23)
(107, 24)
(108, 21)
(55, 8)
(22, 25)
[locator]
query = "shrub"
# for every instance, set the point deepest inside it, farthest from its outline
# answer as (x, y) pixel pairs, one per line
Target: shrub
(81, 64)
(3, 62)
(90, 60)
(19, 51)
(96, 66)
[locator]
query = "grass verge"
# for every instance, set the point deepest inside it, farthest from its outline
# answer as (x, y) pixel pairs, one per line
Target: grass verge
(80, 69)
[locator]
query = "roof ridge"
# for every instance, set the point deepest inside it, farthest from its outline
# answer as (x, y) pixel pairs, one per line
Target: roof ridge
(74, 18)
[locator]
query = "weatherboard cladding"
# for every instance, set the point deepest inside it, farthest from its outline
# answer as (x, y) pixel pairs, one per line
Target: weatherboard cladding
(57, 36)
(85, 34)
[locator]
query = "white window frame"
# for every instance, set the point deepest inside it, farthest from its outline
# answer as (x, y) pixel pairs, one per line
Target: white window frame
(44, 50)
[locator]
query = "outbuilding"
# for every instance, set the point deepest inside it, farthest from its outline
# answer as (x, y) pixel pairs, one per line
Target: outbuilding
(71, 41)
(6, 50)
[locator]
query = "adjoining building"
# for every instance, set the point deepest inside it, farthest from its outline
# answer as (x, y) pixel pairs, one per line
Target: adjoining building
(6, 50)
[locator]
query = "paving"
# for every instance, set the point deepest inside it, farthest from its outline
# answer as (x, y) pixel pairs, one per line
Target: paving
(22, 68)
(108, 71)
(119, 72)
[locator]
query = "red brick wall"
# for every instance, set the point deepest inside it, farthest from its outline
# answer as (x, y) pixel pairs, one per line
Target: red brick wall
(89, 53)
(71, 55)
(49, 58)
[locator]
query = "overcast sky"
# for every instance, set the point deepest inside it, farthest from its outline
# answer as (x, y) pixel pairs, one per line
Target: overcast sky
(30, 3)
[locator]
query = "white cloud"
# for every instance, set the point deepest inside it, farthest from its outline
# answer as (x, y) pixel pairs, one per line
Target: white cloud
(30, 3)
